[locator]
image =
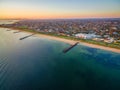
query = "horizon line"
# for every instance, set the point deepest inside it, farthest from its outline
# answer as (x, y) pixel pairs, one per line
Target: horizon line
(57, 18)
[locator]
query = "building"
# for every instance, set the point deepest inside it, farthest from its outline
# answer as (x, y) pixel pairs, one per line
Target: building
(85, 36)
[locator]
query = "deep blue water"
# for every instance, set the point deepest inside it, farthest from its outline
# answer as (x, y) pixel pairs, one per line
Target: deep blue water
(39, 64)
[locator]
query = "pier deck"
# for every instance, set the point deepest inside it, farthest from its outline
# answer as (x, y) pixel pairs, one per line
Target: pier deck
(69, 48)
(26, 37)
(17, 32)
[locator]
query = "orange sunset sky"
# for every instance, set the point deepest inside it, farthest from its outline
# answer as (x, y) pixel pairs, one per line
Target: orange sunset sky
(42, 9)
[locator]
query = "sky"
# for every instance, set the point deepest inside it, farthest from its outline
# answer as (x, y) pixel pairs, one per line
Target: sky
(47, 9)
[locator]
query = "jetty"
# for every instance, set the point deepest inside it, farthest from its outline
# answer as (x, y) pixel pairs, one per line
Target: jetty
(69, 48)
(26, 37)
(8, 30)
(17, 32)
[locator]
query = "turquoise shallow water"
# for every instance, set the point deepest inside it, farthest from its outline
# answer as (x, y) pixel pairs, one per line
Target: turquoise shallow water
(39, 64)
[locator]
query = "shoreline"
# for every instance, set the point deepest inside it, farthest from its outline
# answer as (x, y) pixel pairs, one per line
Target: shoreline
(72, 41)
(82, 43)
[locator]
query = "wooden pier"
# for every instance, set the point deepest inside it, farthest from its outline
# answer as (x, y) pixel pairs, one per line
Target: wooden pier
(8, 30)
(26, 37)
(17, 32)
(69, 48)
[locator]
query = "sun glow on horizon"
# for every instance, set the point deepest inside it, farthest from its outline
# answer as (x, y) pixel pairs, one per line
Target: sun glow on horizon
(39, 9)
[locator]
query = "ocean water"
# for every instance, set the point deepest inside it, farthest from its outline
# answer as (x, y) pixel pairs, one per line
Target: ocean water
(38, 63)
(8, 21)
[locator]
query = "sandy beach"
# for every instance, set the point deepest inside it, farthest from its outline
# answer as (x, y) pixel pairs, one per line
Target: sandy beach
(73, 42)
(82, 43)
